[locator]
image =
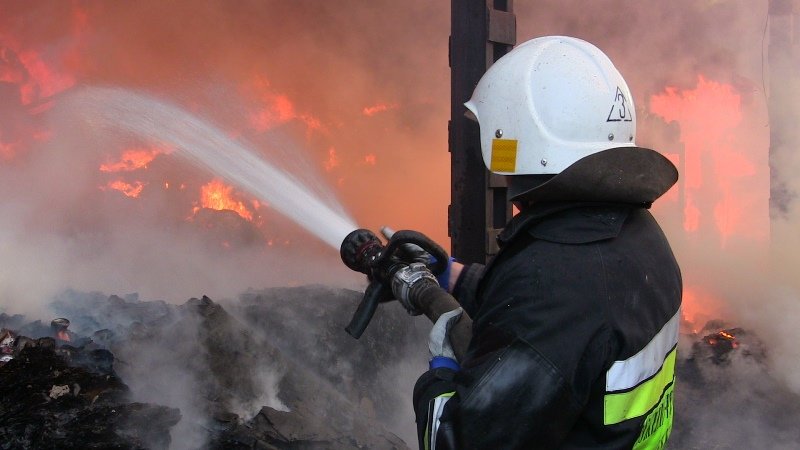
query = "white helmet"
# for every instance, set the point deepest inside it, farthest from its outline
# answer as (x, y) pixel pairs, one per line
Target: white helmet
(548, 103)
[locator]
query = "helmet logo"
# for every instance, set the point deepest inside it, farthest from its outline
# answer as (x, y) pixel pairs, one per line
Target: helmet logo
(619, 110)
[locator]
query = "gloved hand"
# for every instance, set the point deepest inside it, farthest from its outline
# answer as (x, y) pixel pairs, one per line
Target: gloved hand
(411, 253)
(408, 281)
(439, 341)
(408, 253)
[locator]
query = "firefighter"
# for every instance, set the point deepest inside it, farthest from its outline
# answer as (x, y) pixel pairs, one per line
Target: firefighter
(575, 320)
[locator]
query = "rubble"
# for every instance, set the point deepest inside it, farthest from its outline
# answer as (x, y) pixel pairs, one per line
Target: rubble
(279, 372)
(728, 397)
(274, 369)
(7, 340)
(47, 402)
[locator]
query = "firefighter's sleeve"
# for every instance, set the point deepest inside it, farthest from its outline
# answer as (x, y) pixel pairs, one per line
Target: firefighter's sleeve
(514, 398)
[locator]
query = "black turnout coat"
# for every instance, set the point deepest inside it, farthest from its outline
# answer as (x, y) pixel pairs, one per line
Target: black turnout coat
(567, 318)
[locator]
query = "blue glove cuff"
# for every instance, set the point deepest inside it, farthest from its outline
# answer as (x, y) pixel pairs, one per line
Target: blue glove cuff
(444, 277)
(443, 361)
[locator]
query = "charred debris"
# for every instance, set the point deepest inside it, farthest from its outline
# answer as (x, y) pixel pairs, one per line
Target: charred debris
(280, 374)
(275, 370)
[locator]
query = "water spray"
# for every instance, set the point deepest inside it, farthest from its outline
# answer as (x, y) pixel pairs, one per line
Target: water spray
(207, 146)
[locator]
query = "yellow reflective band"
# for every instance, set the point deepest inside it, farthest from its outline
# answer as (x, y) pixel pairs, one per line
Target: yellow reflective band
(657, 425)
(642, 398)
(435, 409)
(504, 155)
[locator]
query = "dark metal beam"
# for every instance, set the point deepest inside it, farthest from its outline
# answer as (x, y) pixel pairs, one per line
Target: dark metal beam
(481, 32)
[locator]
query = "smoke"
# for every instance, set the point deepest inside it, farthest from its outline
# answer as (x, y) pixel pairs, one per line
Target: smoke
(352, 98)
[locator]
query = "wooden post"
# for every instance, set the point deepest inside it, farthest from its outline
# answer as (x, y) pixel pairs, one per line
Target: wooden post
(481, 32)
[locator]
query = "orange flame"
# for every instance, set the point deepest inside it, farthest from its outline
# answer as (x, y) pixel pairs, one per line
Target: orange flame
(44, 80)
(699, 307)
(714, 169)
(130, 190)
(370, 159)
(217, 195)
(370, 111)
(277, 108)
(132, 159)
(727, 335)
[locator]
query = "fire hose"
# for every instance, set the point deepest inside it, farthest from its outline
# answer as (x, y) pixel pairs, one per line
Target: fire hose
(362, 251)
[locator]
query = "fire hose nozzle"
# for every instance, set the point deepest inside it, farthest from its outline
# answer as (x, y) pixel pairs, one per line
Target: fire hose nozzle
(359, 248)
(362, 251)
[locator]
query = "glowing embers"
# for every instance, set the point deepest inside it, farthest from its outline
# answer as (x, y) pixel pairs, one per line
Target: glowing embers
(722, 338)
(217, 195)
(722, 343)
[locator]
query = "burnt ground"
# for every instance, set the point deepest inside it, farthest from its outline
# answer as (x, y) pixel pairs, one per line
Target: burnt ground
(727, 396)
(271, 370)
(274, 369)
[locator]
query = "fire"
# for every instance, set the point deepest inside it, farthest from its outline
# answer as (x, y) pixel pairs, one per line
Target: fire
(63, 336)
(217, 195)
(132, 159)
(44, 81)
(277, 108)
(370, 111)
(727, 335)
(370, 159)
(132, 190)
(38, 76)
(699, 307)
(717, 174)
(36, 79)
